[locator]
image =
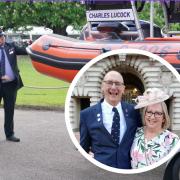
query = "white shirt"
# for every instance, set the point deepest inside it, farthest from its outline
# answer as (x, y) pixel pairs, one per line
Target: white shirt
(108, 114)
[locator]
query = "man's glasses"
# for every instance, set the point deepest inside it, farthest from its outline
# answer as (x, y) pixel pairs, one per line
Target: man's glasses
(110, 83)
(156, 114)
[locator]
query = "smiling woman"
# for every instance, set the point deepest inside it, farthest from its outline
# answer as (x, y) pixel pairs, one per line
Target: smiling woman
(153, 141)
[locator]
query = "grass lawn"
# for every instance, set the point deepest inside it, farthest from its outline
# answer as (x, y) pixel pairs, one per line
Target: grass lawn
(49, 98)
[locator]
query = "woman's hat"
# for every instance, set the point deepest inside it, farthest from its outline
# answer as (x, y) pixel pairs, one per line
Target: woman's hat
(151, 96)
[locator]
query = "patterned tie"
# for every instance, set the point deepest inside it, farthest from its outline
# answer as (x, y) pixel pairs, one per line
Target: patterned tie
(2, 65)
(115, 130)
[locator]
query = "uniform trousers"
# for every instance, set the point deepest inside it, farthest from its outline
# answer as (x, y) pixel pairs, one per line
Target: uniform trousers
(8, 92)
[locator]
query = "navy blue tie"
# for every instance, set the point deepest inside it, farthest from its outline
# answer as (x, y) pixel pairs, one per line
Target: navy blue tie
(115, 130)
(2, 62)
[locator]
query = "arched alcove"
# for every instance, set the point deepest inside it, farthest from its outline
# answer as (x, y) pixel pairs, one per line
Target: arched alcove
(139, 73)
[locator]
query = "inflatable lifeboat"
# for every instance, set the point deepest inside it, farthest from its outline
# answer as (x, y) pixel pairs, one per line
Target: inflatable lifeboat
(62, 57)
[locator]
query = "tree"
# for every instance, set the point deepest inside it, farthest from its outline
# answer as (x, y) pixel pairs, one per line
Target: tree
(54, 15)
(158, 16)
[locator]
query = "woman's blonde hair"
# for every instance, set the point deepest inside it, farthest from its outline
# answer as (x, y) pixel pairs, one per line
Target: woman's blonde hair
(166, 124)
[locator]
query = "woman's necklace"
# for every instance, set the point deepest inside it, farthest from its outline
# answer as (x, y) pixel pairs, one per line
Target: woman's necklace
(149, 135)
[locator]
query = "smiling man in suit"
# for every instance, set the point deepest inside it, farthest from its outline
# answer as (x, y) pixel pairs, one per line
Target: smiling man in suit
(10, 82)
(107, 129)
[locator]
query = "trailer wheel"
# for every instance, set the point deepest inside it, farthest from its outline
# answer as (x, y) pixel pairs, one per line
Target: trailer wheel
(172, 171)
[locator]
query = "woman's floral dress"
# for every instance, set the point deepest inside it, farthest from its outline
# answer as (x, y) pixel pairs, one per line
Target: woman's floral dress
(144, 153)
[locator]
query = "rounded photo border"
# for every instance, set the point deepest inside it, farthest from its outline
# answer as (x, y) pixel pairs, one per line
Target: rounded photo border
(67, 103)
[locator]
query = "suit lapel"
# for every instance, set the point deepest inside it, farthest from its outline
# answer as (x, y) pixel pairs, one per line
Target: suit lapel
(99, 120)
(126, 117)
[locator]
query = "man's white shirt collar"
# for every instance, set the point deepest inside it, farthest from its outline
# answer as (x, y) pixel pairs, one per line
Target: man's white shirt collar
(109, 107)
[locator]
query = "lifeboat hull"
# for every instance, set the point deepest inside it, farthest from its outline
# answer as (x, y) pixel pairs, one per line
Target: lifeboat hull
(62, 57)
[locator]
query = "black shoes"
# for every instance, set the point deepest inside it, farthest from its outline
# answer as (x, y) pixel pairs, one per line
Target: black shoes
(13, 139)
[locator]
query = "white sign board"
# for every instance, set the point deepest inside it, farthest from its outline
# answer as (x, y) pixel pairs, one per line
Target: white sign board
(110, 15)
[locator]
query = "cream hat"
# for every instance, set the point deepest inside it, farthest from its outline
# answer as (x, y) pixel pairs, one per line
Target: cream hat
(151, 96)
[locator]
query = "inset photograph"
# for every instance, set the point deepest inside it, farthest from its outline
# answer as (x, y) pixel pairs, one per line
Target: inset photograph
(122, 111)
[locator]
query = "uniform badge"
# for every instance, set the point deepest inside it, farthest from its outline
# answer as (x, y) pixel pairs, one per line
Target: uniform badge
(98, 117)
(126, 110)
(11, 51)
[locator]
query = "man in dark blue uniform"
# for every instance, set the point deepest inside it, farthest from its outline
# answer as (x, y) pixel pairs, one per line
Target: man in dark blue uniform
(10, 82)
(107, 129)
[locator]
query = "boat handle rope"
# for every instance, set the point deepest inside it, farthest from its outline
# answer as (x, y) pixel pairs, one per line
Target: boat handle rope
(48, 45)
(37, 87)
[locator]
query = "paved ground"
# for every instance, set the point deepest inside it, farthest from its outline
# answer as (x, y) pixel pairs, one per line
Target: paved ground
(47, 153)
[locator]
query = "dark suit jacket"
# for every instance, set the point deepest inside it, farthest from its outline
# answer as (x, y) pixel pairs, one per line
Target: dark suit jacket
(12, 58)
(94, 136)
